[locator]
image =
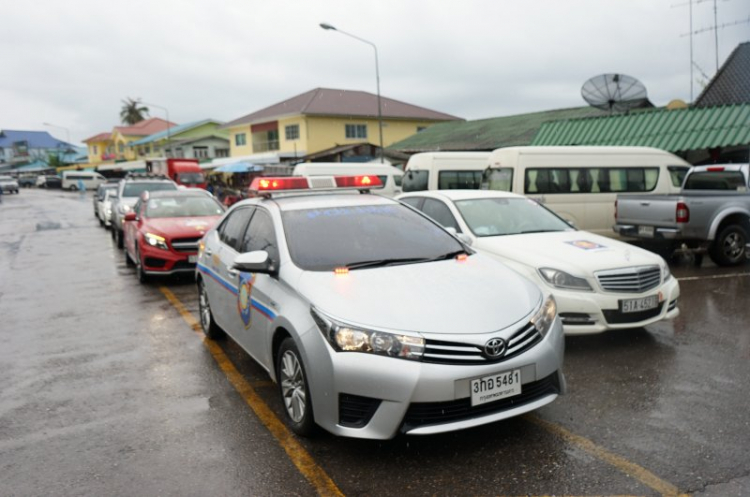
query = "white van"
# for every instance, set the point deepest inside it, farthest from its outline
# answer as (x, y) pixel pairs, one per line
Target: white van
(389, 175)
(90, 180)
(445, 171)
(579, 183)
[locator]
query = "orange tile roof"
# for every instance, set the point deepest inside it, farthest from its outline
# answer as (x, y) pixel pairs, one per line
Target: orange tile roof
(145, 127)
(98, 138)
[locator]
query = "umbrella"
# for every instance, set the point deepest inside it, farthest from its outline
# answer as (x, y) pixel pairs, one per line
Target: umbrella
(239, 167)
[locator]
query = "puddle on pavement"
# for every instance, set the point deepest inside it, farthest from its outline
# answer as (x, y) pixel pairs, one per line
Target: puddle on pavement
(48, 225)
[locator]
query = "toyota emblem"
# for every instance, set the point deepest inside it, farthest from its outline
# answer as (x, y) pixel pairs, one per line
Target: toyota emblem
(494, 348)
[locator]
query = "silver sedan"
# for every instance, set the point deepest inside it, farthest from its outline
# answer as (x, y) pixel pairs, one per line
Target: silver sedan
(374, 320)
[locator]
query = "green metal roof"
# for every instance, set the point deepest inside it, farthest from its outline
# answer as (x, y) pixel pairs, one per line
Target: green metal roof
(487, 134)
(671, 130)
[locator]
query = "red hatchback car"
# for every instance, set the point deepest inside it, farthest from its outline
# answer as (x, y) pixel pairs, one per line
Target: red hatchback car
(163, 230)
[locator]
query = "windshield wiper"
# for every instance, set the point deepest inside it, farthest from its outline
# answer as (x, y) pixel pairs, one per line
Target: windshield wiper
(536, 231)
(387, 262)
(449, 255)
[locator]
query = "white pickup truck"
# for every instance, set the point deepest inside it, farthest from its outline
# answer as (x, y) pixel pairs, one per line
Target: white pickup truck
(711, 213)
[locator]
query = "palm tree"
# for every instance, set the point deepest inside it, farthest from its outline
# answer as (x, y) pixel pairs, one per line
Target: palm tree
(132, 111)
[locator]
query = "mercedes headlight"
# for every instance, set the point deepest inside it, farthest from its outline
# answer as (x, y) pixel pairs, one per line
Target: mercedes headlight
(545, 316)
(665, 272)
(156, 241)
(563, 280)
(347, 338)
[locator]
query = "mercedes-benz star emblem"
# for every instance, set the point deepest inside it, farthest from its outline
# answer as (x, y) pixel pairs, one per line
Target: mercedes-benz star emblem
(494, 348)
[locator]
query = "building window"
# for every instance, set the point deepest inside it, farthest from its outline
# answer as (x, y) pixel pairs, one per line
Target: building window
(222, 152)
(95, 149)
(292, 132)
(200, 152)
(121, 147)
(148, 149)
(356, 131)
(240, 139)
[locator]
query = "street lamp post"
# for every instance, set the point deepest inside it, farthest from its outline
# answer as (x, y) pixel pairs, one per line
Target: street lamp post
(169, 136)
(377, 79)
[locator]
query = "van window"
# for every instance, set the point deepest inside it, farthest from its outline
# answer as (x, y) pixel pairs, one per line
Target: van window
(459, 180)
(498, 179)
(416, 181)
(677, 174)
(591, 180)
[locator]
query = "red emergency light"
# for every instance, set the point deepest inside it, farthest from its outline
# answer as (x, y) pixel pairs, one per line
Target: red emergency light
(358, 181)
(262, 184)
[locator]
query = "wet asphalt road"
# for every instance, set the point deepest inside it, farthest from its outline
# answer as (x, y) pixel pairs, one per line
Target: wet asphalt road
(106, 390)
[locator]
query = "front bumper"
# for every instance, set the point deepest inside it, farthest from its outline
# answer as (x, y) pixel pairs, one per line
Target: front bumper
(165, 262)
(585, 313)
(369, 396)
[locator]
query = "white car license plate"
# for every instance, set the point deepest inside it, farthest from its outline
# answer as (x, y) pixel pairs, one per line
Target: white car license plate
(637, 305)
(495, 387)
(647, 231)
(192, 259)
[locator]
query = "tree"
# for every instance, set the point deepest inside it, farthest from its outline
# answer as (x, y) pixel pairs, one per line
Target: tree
(132, 111)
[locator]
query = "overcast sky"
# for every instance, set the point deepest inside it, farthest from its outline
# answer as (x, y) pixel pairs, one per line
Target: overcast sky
(71, 63)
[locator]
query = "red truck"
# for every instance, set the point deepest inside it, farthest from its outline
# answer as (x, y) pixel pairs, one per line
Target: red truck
(184, 172)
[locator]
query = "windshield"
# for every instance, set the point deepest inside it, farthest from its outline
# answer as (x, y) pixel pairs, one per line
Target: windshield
(508, 216)
(135, 189)
(325, 239)
(715, 180)
(191, 206)
(191, 178)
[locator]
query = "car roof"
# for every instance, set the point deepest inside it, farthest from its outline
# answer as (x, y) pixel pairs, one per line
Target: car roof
(461, 194)
(177, 193)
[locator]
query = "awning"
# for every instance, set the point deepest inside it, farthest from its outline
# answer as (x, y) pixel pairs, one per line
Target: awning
(676, 130)
(239, 167)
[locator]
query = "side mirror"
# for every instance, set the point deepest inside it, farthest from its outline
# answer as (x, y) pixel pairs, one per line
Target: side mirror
(466, 239)
(254, 262)
(130, 216)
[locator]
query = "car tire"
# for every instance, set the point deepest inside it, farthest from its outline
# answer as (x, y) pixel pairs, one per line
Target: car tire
(139, 272)
(208, 325)
(112, 233)
(294, 390)
(118, 239)
(101, 223)
(728, 249)
(72, 188)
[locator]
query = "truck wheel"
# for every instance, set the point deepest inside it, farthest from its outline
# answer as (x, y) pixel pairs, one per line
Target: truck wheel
(728, 249)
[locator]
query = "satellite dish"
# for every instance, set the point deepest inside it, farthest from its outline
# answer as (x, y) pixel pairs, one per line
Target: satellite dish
(614, 92)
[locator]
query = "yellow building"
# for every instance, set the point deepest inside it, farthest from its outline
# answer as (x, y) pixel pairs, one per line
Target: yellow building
(323, 118)
(117, 145)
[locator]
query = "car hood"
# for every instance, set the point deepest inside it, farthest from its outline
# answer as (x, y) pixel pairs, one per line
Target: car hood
(478, 295)
(180, 227)
(578, 252)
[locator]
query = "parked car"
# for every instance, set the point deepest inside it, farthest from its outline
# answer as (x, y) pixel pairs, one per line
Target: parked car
(372, 319)
(129, 190)
(163, 230)
(8, 184)
(599, 283)
(26, 181)
(711, 213)
(48, 181)
(100, 196)
(105, 208)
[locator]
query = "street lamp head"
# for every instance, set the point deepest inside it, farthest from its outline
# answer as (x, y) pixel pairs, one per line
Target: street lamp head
(327, 26)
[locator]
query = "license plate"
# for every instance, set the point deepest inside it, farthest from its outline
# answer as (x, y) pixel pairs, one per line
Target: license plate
(192, 259)
(647, 231)
(637, 305)
(495, 387)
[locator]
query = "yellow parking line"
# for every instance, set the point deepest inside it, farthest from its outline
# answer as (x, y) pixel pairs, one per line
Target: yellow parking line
(714, 277)
(631, 469)
(298, 455)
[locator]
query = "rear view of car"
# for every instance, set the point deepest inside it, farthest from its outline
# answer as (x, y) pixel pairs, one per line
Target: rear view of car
(8, 184)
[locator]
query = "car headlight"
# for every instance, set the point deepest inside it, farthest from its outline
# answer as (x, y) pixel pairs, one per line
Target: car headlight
(347, 338)
(561, 279)
(545, 316)
(666, 274)
(156, 241)
(123, 209)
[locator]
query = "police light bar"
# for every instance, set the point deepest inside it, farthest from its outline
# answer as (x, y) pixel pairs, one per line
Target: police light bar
(266, 185)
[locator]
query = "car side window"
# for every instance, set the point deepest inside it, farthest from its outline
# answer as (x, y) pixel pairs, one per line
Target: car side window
(440, 212)
(260, 235)
(233, 228)
(415, 202)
